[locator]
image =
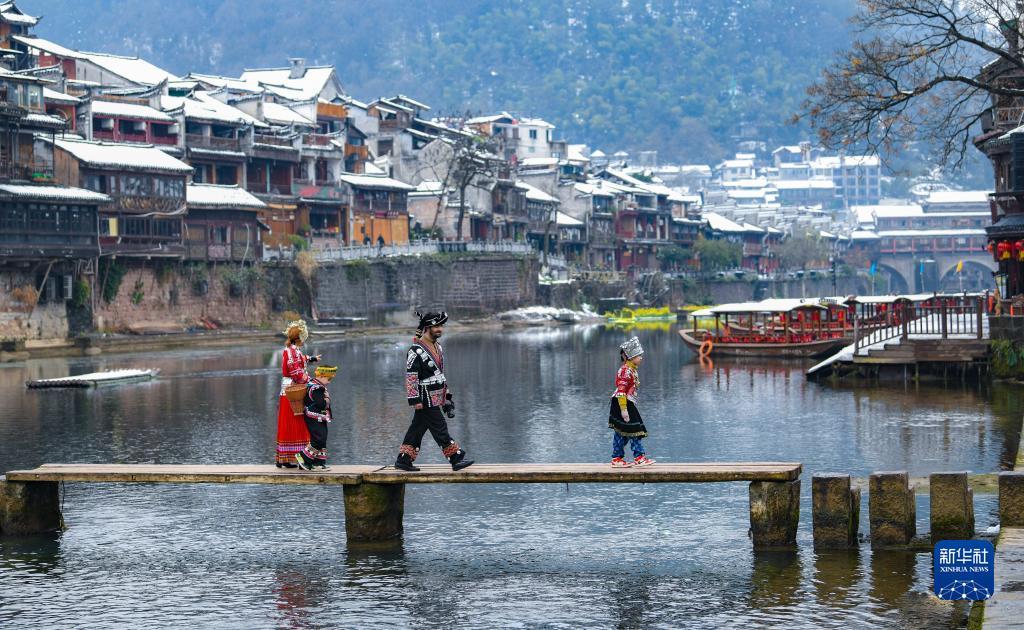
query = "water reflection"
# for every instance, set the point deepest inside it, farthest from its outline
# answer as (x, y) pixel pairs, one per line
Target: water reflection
(489, 556)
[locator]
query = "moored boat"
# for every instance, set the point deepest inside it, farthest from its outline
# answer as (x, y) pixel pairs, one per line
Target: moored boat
(94, 379)
(797, 328)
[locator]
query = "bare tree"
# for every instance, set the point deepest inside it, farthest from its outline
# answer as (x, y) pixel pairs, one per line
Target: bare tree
(919, 70)
(464, 160)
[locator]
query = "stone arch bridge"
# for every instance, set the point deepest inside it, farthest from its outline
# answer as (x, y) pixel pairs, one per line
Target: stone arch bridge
(926, 272)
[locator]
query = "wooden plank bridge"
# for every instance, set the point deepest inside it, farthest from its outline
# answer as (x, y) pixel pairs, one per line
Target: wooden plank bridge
(375, 495)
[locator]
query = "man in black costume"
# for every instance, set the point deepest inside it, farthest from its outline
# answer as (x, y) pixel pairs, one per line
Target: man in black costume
(427, 391)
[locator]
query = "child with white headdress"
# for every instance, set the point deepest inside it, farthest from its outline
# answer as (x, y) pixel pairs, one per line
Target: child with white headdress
(623, 416)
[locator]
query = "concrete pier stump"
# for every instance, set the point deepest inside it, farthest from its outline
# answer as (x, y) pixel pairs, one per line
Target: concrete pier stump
(835, 508)
(952, 500)
(373, 511)
(774, 513)
(1011, 499)
(892, 511)
(29, 507)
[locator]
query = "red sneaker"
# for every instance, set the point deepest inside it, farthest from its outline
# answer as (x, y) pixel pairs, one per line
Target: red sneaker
(619, 462)
(643, 460)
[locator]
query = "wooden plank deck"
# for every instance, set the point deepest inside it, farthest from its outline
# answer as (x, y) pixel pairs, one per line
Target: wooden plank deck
(592, 473)
(478, 473)
(189, 473)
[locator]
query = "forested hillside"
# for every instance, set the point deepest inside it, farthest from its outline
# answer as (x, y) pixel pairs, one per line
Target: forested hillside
(680, 76)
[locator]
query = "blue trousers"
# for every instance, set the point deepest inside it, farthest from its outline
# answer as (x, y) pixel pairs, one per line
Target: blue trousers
(619, 445)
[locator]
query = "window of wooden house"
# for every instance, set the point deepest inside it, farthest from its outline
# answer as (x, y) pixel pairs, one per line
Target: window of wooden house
(98, 183)
(227, 175)
(35, 97)
(166, 227)
(219, 234)
(135, 185)
(161, 130)
(222, 131)
(200, 174)
(533, 134)
(173, 188)
(133, 226)
(5, 92)
(384, 147)
(13, 219)
(127, 127)
(194, 128)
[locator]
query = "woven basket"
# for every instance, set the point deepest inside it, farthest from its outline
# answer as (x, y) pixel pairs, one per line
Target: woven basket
(296, 395)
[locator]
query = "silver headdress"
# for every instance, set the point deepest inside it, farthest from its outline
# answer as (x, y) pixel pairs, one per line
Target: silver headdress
(632, 348)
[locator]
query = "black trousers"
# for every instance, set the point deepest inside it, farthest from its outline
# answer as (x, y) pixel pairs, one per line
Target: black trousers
(428, 419)
(317, 433)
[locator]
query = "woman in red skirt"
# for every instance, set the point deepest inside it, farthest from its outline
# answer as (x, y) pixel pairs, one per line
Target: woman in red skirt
(292, 435)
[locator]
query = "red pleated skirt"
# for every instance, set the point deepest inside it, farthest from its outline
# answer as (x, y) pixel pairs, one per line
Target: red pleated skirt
(292, 435)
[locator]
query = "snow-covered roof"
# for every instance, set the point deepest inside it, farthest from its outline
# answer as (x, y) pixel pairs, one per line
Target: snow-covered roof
(53, 96)
(215, 196)
(535, 122)
(230, 83)
(282, 115)
(490, 119)
(593, 190)
(46, 46)
(133, 69)
(598, 154)
(789, 148)
(129, 110)
(43, 119)
(889, 212)
(428, 188)
(750, 227)
(53, 193)
(864, 235)
(932, 233)
(745, 193)
(565, 220)
(207, 108)
(737, 164)
(375, 181)
(958, 196)
(307, 87)
(771, 305)
(535, 194)
(142, 157)
(538, 162)
(576, 153)
(10, 13)
(719, 223)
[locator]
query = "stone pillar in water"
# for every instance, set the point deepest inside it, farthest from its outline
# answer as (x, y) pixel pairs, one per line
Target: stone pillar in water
(1011, 499)
(835, 508)
(891, 509)
(373, 511)
(774, 513)
(952, 514)
(29, 507)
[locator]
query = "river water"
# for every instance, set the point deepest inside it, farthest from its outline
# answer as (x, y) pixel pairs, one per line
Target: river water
(484, 556)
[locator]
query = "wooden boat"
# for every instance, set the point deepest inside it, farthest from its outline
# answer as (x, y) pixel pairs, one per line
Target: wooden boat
(798, 349)
(644, 314)
(797, 328)
(95, 379)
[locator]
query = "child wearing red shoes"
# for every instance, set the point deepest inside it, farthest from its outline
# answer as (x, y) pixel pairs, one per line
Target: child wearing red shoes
(623, 417)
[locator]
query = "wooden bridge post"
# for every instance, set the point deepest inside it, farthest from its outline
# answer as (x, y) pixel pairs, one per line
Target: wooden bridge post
(952, 506)
(892, 510)
(774, 513)
(373, 511)
(835, 510)
(29, 507)
(1011, 498)
(980, 307)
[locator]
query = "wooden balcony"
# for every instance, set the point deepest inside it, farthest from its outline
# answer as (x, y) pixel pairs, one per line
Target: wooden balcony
(31, 171)
(277, 141)
(200, 141)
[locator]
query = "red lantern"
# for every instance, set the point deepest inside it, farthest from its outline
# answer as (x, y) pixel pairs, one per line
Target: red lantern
(1004, 248)
(1018, 250)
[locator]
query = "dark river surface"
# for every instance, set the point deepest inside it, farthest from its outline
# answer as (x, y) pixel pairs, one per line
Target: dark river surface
(480, 556)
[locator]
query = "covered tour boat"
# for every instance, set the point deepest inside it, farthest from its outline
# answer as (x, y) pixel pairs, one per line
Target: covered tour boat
(797, 328)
